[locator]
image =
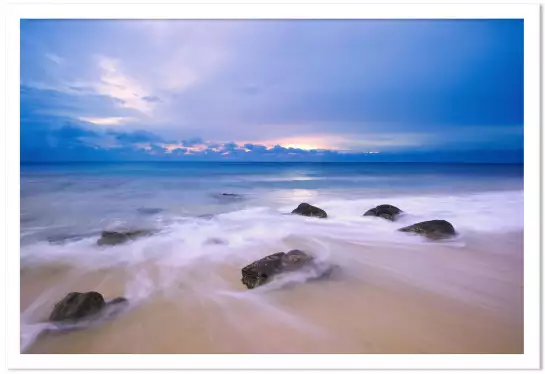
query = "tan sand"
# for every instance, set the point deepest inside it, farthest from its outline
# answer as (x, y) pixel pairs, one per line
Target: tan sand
(365, 311)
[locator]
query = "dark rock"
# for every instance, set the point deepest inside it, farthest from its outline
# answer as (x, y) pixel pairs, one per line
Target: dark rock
(436, 229)
(215, 241)
(118, 300)
(77, 305)
(261, 271)
(63, 238)
(295, 259)
(308, 210)
(149, 211)
(228, 198)
(386, 211)
(119, 237)
(258, 272)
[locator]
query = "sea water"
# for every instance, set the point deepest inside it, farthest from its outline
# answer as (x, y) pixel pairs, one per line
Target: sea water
(211, 219)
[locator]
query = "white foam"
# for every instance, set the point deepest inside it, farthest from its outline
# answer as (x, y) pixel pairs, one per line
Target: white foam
(185, 245)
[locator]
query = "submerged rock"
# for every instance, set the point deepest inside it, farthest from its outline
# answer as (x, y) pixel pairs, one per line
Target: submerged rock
(215, 241)
(263, 270)
(149, 211)
(78, 306)
(386, 211)
(119, 237)
(118, 300)
(435, 229)
(63, 238)
(308, 210)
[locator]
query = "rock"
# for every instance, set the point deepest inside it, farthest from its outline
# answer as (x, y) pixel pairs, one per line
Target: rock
(261, 271)
(76, 309)
(228, 198)
(389, 212)
(435, 229)
(63, 238)
(295, 259)
(119, 237)
(308, 210)
(149, 211)
(215, 241)
(77, 305)
(118, 300)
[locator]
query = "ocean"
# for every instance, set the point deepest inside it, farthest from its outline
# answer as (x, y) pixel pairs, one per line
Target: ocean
(391, 292)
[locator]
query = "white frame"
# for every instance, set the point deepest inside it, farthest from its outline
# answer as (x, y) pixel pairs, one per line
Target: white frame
(529, 12)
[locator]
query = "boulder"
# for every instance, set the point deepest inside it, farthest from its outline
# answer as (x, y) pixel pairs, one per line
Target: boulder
(435, 229)
(77, 305)
(119, 237)
(263, 270)
(308, 210)
(386, 211)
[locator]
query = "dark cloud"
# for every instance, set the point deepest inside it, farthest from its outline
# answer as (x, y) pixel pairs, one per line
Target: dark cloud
(152, 99)
(139, 136)
(192, 142)
(427, 88)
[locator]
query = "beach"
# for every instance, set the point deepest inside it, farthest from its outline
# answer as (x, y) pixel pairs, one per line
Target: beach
(390, 291)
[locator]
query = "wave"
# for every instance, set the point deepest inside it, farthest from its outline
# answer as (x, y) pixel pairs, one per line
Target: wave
(204, 256)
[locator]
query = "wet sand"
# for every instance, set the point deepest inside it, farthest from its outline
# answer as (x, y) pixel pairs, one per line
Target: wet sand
(373, 304)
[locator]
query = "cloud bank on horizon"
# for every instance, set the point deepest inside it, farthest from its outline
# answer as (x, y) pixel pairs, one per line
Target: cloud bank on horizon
(272, 90)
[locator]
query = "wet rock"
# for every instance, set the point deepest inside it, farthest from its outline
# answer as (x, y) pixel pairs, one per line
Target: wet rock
(215, 241)
(77, 305)
(263, 270)
(435, 229)
(79, 310)
(63, 238)
(228, 198)
(260, 271)
(295, 259)
(118, 300)
(386, 211)
(149, 211)
(119, 237)
(308, 210)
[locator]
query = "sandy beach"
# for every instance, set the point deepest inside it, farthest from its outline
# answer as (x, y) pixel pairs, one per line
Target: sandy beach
(371, 304)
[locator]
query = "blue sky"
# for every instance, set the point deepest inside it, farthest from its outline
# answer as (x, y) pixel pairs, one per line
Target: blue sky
(272, 90)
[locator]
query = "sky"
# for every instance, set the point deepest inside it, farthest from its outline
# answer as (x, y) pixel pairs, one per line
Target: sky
(272, 90)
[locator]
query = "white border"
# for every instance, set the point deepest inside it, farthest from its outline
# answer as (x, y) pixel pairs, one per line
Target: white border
(529, 12)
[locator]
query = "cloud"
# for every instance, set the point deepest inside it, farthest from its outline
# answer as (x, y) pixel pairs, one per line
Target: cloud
(358, 86)
(151, 99)
(106, 121)
(56, 59)
(127, 90)
(136, 137)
